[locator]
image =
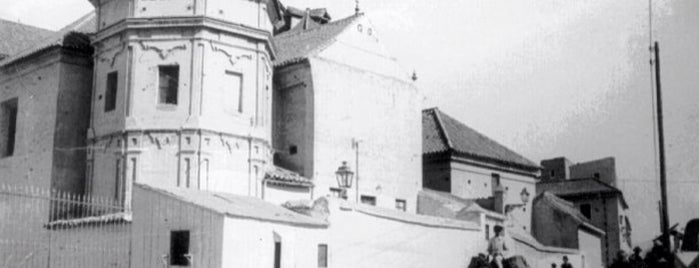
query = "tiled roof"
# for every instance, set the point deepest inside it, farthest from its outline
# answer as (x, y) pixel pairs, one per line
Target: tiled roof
(295, 46)
(452, 205)
(14, 37)
(287, 177)
(442, 133)
(566, 208)
(75, 35)
(237, 206)
(573, 187)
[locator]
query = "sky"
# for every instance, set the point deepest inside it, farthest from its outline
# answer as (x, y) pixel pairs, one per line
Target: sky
(546, 78)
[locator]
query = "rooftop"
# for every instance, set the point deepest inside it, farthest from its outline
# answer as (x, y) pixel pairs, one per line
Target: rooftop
(17, 36)
(75, 35)
(299, 44)
(231, 205)
(566, 208)
(442, 133)
(577, 187)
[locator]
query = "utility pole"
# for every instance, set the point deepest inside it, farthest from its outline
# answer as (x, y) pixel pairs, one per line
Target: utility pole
(355, 146)
(661, 155)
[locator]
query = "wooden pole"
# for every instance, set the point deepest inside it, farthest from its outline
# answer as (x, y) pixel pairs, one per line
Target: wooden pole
(661, 152)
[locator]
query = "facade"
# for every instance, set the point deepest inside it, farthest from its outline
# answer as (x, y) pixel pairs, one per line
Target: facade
(317, 123)
(596, 198)
(44, 98)
(558, 223)
(467, 164)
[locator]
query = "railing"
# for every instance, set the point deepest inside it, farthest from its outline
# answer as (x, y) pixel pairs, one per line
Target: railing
(52, 228)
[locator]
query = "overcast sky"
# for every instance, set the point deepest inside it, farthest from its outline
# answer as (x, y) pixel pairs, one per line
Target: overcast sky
(545, 77)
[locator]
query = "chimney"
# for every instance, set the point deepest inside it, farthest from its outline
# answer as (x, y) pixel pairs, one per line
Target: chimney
(499, 199)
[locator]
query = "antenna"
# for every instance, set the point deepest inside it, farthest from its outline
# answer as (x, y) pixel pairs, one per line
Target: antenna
(356, 7)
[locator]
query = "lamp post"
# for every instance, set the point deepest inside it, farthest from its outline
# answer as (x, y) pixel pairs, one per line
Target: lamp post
(344, 178)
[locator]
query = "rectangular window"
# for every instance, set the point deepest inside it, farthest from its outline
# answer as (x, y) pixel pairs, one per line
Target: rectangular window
(368, 200)
(322, 256)
(586, 210)
(233, 91)
(179, 248)
(8, 127)
(277, 254)
(169, 77)
(110, 95)
(495, 180)
(401, 205)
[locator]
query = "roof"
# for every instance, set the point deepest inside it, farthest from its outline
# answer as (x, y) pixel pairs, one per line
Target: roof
(577, 187)
(75, 35)
(566, 208)
(295, 46)
(527, 239)
(231, 205)
(442, 133)
(15, 37)
(455, 204)
(282, 176)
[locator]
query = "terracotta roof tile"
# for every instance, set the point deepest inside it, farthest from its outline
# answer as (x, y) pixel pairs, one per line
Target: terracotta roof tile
(75, 35)
(296, 46)
(287, 177)
(14, 37)
(584, 186)
(442, 133)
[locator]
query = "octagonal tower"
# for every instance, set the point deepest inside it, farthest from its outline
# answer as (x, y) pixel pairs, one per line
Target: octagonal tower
(181, 95)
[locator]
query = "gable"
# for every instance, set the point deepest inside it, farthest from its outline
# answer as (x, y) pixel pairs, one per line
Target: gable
(359, 45)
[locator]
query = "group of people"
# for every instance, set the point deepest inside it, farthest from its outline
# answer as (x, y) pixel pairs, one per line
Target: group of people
(655, 258)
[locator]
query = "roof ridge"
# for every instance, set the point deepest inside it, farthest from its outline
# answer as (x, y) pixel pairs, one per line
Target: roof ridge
(26, 25)
(347, 20)
(440, 123)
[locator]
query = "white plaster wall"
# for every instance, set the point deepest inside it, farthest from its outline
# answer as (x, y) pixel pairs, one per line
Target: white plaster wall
(469, 181)
(357, 239)
(591, 246)
(387, 124)
(36, 87)
(281, 194)
(96, 245)
(155, 216)
(250, 243)
(227, 150)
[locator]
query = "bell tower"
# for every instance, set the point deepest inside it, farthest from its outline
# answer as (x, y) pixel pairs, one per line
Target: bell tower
(181, 95)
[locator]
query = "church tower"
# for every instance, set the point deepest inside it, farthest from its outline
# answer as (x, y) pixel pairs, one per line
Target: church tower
(181, 95)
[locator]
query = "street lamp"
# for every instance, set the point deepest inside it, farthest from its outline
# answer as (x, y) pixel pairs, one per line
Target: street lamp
(524, 196)
(344, 178)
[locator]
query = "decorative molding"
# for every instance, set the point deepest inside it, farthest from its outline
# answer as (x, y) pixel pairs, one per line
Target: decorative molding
(112, 58)
(162, 52)
(231, 56)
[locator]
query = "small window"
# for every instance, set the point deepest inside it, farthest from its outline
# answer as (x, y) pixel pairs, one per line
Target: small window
(293, 149)
(597, 176)
(179, 248)
(368, 200)
(322, 256)
(552, 173)
(401, 205)
(168, 84)
(495, 180)
(111, 92)
(277, 254)
(487, 232)
(586, 210)
(8, 127)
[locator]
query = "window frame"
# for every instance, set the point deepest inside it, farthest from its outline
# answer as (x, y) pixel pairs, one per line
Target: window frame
(167, 100)
(9, 111)
(404, 206)
(370, 198)
(110, 92)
